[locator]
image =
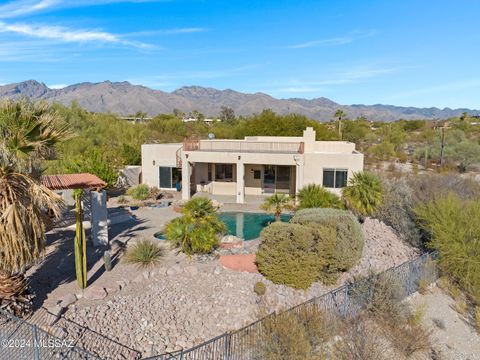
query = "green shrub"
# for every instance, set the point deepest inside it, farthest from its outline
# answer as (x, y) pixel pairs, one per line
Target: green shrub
(316, 196)
(259, 288)
(144, 253)
(454, 227)
(139, 192)
(364, 193)
(288, 254)
(348, 243)
(277, 203)
(197, 231)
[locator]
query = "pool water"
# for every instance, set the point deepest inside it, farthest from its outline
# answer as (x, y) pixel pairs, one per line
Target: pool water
(247, 225)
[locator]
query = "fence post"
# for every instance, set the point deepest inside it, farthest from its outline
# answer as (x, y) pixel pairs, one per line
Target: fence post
(36, 345)
(345, 300)
(227, 346)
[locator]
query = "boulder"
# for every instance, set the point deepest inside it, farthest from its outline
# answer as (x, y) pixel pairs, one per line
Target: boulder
(67, 300)
(94, 293)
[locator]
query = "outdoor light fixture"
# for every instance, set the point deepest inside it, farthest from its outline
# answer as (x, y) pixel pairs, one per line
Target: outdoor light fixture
(153, 162)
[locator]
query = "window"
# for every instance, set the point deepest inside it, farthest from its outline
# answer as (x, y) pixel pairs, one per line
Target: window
(169, 177)
(257, 174)
(223, 172)
(335, 178)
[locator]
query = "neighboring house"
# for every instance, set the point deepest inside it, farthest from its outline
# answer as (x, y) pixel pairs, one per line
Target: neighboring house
(257, 165)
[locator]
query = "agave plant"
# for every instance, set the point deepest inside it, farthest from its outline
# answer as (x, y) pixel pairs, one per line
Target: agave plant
(364, 193)
(316, 196)
(277, 203)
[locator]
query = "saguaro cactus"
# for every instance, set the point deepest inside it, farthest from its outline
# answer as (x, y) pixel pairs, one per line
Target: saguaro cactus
(80, 243)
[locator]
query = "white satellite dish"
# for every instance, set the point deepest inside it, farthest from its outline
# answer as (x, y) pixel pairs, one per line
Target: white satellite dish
(211, 136)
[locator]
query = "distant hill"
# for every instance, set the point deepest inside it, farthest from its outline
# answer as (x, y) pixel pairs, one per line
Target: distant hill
(124, 98)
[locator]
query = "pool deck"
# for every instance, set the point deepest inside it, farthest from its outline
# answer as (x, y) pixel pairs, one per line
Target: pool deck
(252, 202)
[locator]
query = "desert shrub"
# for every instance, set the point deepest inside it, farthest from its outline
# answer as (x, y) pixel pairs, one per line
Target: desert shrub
(316, 196)
(259, 288)
(427, 187)
(364, 193)
(349, 241)
(386, 300)
(154, 193)
(197, 231)
(144, 253)
(293, 335)
(122, 200)
(453, 225)
(360, 339)
(396, 210)
(408, 338)
(139, 192)
(289, 254)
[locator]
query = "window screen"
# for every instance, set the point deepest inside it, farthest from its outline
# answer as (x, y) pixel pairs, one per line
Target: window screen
(329, 178)
(341, 178)
(165, 177)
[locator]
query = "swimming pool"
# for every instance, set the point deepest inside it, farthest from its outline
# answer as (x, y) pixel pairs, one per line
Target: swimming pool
(247, 225)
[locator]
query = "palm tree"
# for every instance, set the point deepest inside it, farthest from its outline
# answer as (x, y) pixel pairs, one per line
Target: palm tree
(364, 193)
(23, 215)
(30, 131)
(340, 115)
(277, 203)
(28, 134)
(197, 230)
(316, 196)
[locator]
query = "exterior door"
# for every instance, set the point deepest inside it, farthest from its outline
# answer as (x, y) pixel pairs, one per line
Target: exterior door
(269, 179)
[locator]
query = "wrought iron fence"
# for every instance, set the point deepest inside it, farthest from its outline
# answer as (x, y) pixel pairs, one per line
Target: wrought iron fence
(20, 340)
(347, 300)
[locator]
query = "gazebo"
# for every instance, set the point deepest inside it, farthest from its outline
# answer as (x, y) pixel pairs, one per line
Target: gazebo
(64, 184)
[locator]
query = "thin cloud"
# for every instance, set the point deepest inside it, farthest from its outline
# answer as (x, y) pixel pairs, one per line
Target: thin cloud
(27, 7)
(335, 41)
(323, 42)
(188, 30)
(445, 87)
(67, 35)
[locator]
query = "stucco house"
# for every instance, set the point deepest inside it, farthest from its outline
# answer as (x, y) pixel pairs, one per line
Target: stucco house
(256, 165)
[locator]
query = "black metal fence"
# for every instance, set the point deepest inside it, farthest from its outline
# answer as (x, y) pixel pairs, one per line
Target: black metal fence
(20, 340)
(347, 300)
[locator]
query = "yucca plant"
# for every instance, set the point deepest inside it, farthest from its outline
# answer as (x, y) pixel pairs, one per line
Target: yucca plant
(364, 193)
(144, 253)
(277, 204)
(316, 196)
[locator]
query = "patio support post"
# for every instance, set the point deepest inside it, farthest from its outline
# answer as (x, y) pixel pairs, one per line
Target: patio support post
(186, 174)
(298, 174)
(240, 183)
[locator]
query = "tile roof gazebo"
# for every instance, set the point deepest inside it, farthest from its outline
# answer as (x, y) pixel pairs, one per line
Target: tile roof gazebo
(98, 199)
(73, 181)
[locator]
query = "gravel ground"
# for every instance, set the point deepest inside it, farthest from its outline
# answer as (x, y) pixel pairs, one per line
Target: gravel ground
(186, 301)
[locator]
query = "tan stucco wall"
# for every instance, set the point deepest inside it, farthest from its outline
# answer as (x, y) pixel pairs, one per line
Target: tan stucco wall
(163, 155)
(315, 163)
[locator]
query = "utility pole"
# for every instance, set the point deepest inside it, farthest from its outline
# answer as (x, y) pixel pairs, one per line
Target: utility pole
(443, 145)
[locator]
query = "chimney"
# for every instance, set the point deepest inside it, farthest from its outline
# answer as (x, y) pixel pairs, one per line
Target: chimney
(309, 139)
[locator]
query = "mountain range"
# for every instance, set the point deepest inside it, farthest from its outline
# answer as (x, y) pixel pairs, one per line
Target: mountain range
(124, 98)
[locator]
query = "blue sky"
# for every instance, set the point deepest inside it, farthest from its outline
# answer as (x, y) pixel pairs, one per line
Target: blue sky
(410, 52)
